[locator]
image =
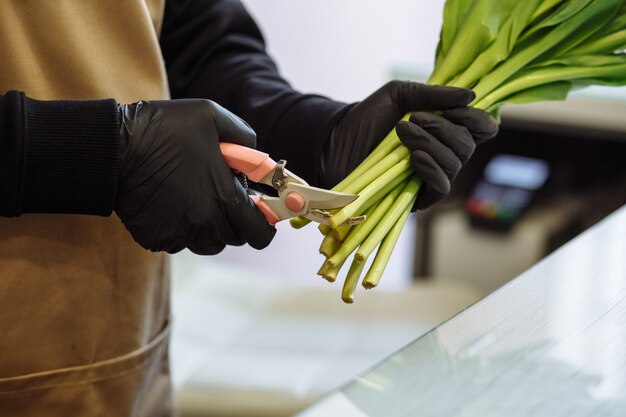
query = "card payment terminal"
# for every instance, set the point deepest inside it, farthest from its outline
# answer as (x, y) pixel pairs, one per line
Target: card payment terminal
(508, 186)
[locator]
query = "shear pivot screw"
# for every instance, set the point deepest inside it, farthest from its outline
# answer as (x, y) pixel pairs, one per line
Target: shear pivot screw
(294, 201)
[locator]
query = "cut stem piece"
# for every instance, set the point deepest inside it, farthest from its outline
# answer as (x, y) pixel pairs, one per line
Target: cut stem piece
(385, 250)
(359, 233)
(329, 245)
(329, 272)
(341, 232)
(299, 222)
(352, 279)
(405, 199)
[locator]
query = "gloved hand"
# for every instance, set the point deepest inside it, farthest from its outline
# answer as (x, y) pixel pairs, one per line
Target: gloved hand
(439, 145)
(175, 190)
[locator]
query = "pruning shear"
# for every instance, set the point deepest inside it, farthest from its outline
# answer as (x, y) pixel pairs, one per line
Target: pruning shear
(295, 196)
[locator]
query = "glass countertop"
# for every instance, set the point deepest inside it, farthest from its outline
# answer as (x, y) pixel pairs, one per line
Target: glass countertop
(552, 342)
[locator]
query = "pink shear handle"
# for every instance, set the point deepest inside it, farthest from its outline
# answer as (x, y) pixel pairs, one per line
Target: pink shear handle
(255, 164)
(271, 217)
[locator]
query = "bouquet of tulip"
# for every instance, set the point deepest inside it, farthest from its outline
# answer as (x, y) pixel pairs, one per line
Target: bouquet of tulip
(507, 51)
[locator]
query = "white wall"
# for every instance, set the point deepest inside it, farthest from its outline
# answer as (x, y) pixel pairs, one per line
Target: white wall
(347, 48)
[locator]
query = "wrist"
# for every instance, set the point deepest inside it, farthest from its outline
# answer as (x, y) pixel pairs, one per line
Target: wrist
(65, 156)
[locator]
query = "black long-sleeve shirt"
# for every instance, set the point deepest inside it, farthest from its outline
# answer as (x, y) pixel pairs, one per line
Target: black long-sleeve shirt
(63, 156)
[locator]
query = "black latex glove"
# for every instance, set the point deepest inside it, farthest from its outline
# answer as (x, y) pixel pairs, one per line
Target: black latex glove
(439, 145)
(175, 190)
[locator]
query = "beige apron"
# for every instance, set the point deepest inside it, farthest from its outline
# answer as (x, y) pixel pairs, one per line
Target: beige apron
(83, 309)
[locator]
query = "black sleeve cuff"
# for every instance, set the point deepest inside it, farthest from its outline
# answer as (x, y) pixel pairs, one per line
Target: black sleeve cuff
(63, 156)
